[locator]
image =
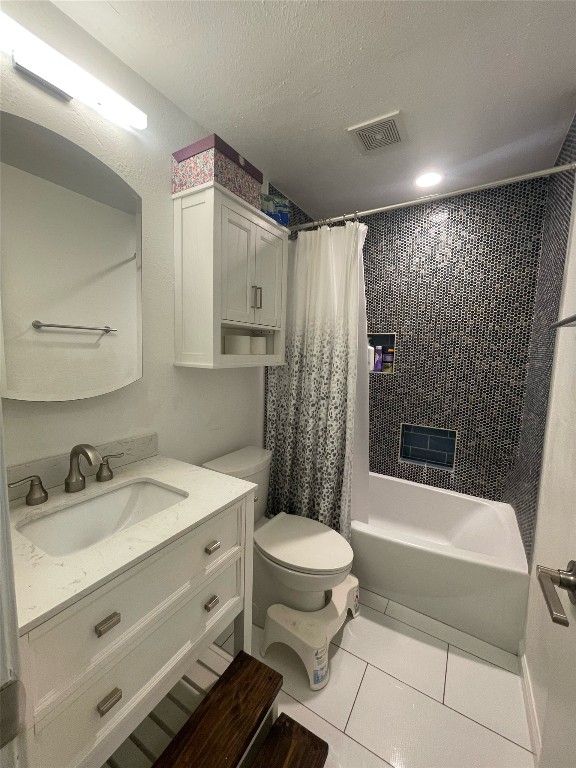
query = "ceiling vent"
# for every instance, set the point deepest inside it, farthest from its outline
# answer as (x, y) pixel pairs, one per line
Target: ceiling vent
(379, 133)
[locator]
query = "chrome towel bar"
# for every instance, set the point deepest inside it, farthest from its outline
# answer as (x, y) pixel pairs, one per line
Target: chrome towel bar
(106, 329)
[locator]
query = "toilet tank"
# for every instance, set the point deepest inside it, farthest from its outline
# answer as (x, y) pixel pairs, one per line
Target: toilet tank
(251, 464)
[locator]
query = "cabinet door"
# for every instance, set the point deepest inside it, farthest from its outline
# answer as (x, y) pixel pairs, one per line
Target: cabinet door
(268, 278)
(238, 279)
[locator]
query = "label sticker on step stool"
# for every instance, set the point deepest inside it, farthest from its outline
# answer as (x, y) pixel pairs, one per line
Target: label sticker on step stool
(356, 608)
(320, 664)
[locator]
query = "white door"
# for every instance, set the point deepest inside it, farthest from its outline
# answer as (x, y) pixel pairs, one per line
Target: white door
(550, 647)
(268, 278)
(11, 752)
(238, 279)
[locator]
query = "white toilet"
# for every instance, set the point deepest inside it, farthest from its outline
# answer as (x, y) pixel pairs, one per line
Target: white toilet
(297, 561)
(303, 589)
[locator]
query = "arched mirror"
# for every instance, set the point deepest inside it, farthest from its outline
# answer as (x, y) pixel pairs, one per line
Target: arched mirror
(70, 269)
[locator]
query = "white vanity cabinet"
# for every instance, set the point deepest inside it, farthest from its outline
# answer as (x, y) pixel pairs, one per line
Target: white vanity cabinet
(93, 671)
(230, 278)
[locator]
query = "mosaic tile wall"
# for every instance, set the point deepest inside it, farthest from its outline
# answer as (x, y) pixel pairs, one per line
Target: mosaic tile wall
(471, 286)
(521, 486)
(455, 280)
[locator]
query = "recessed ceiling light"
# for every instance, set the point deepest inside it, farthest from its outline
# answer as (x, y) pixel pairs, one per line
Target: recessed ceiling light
(428, 179)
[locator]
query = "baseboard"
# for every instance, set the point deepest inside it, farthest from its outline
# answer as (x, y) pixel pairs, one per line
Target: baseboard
(529, 703)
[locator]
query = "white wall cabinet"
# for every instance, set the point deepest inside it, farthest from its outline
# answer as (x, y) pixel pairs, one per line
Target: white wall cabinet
(130, 640)
(268, 278)
(230, 265)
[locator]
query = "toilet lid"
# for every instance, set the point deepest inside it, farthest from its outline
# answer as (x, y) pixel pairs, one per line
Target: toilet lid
(303, 545)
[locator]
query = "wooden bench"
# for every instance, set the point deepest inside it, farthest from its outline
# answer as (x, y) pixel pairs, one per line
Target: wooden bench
(221, 731)
(290, 745)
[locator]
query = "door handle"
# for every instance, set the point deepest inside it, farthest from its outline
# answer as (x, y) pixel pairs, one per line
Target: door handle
(254, 296)
(258, 297)
(549, 579)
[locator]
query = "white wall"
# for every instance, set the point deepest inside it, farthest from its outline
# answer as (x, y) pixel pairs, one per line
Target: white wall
(197, 414)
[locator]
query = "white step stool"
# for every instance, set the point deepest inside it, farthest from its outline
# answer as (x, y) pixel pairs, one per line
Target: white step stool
(310, 633)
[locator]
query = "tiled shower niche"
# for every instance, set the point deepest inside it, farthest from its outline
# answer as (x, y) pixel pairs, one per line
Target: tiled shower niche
(430, 446)
(388, 343)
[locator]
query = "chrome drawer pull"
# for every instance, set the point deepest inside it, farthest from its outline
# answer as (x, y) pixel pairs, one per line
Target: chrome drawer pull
(212, 547)
(212, 603)
(109, 701)
(106, 624)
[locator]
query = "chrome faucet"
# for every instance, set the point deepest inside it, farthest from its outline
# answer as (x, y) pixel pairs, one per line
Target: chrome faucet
(76, 480)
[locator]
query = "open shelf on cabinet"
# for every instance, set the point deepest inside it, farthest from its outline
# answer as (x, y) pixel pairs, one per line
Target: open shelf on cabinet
(272, 337)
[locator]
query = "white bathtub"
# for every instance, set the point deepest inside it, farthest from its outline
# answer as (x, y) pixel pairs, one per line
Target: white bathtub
(453, 557)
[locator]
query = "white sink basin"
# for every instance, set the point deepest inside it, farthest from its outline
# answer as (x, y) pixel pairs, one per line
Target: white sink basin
(81, 525)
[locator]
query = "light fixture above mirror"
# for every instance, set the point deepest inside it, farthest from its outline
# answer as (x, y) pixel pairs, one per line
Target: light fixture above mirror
(53, 70)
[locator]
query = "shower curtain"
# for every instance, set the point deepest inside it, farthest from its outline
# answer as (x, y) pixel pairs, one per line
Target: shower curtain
(311, 400)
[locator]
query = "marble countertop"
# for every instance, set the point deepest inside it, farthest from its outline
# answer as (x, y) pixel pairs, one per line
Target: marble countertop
(45, 584)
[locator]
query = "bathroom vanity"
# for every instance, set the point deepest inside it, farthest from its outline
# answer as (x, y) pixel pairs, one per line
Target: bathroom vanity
(107, 629)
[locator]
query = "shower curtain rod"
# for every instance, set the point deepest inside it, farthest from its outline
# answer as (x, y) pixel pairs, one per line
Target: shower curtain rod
(442, 196)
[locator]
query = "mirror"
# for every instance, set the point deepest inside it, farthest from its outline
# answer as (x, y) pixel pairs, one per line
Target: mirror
(70, 256)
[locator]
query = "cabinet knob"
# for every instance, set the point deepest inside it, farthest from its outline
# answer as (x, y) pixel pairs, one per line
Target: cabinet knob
(212, 603)
(212, 547)
(109, 701)
(106, 624)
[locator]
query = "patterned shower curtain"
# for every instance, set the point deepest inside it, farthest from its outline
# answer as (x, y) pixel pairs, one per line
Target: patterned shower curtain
(311, 400)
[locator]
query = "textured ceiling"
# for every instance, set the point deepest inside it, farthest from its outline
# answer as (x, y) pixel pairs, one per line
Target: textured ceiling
(487, 89)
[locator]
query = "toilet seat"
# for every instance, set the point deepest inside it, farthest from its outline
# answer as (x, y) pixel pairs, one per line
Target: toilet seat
(303, 545)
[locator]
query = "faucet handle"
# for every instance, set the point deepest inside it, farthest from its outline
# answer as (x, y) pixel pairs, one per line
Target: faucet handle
(37, 493)
(104, 472)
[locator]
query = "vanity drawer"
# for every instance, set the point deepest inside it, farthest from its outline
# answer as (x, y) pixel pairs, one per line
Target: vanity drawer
(65, 737)
(76, 642)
